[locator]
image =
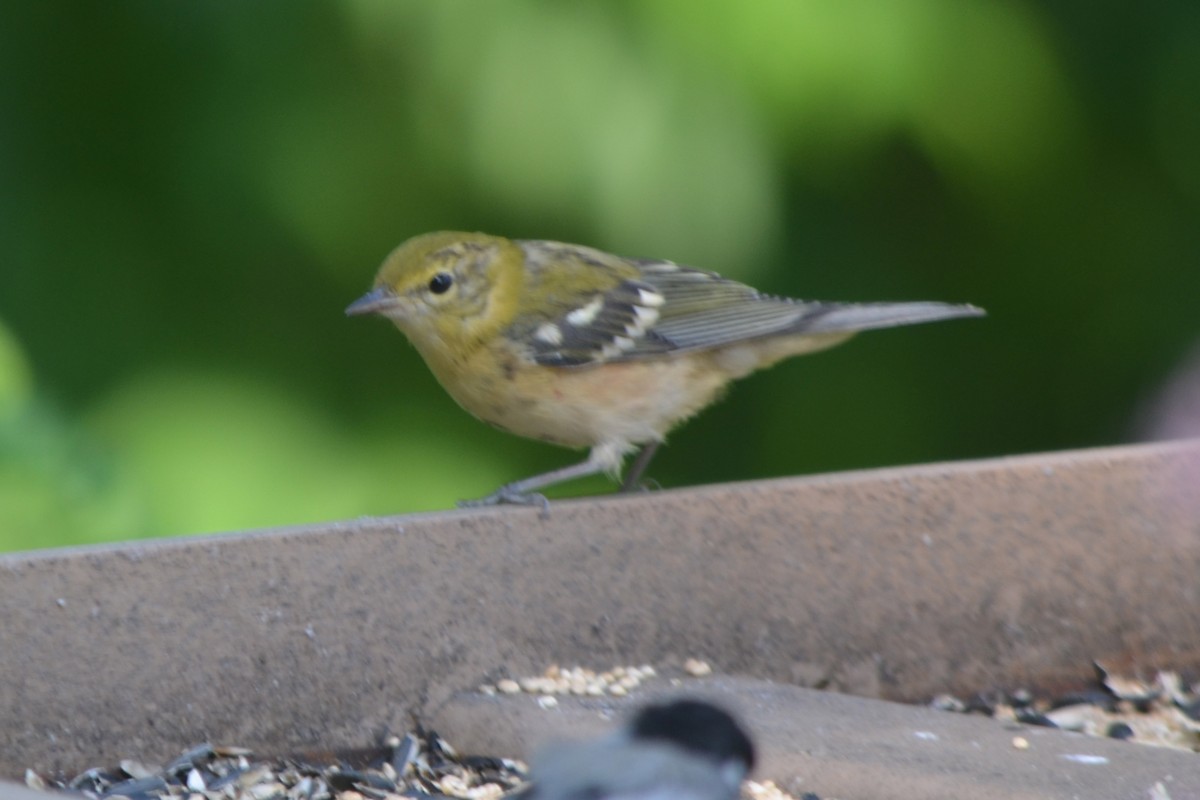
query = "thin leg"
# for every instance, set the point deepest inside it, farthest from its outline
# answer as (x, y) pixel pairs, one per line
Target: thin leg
(523, 492)
(633, 478)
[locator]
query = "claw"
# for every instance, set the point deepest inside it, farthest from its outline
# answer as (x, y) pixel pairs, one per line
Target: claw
(641, 487)
(506, 495)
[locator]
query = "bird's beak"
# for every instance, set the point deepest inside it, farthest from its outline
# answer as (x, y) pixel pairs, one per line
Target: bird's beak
(379, 300)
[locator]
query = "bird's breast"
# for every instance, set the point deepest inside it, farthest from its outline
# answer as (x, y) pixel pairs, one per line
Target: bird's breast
(626, 403)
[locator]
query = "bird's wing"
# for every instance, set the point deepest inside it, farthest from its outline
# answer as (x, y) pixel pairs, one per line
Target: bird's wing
(611, 325)
(669, 308)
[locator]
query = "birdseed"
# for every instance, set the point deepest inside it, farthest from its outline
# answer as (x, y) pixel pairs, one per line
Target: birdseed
(618, 681)
(1163, 712)
(418, 765)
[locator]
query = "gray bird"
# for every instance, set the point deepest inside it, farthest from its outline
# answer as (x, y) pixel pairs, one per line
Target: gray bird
(680, 750)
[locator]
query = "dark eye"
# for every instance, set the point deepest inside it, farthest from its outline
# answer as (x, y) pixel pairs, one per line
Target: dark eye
(440, 283)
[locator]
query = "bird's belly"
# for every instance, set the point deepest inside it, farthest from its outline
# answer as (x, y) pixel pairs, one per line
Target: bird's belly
(627, 403)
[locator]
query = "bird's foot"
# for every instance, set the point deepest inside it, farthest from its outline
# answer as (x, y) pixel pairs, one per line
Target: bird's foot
(507, 495)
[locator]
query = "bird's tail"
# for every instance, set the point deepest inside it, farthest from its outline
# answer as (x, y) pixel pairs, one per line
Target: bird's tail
(840, 317)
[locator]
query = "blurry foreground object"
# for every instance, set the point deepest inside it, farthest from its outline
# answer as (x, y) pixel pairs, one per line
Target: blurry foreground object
(1174, 412)
(580, 348)
(681, 750)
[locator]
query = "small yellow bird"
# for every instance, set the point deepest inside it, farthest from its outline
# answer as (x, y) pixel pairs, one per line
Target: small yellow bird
(580, 348)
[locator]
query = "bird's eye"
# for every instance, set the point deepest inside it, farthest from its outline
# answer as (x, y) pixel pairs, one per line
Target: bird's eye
(439, 283)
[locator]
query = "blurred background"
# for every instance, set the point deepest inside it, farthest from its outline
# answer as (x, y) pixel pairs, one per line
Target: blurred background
(191, 193)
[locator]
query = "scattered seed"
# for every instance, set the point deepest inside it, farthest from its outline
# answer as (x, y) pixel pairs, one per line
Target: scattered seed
(1161, 713)
(1119, 730)
(580, 681)
(417, 765)
(195, 781)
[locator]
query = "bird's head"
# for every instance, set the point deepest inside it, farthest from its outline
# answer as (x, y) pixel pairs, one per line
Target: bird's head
(446, 290)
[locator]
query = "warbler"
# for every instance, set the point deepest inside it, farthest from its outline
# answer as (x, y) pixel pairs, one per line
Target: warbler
(679, 750)
(580, 348)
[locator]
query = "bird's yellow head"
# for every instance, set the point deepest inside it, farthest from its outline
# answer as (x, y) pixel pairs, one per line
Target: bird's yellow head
(447, 291)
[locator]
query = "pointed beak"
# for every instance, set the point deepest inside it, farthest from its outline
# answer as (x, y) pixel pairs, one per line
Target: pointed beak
(377, 301)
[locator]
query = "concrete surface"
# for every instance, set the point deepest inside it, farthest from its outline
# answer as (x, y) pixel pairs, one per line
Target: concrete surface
(16, 791)
(897, 583)
(852, 748)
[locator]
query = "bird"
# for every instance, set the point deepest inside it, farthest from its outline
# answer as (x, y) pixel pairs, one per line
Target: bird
(577, 347)
(683, 749)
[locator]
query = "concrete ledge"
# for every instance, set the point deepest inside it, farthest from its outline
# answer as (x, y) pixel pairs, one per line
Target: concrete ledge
(16, 791)
(840, 746)
(898, 583)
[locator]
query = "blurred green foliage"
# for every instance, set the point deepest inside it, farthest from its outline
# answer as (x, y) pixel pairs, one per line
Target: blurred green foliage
(190, 194)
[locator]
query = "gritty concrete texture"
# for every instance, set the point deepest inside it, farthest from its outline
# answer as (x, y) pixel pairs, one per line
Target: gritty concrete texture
(838, 746)
(15, 791)
(897, 583)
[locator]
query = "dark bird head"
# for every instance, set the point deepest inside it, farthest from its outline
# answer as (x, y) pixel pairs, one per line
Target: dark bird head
(699, 728)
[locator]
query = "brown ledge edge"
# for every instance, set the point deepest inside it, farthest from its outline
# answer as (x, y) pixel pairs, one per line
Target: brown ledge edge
(898, 583)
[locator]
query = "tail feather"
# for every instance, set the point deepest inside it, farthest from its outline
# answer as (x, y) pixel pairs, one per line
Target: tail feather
(836, 317)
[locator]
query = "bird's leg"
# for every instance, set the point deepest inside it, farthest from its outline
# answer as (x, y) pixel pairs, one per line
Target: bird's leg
(523, 492)
(633, 477)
